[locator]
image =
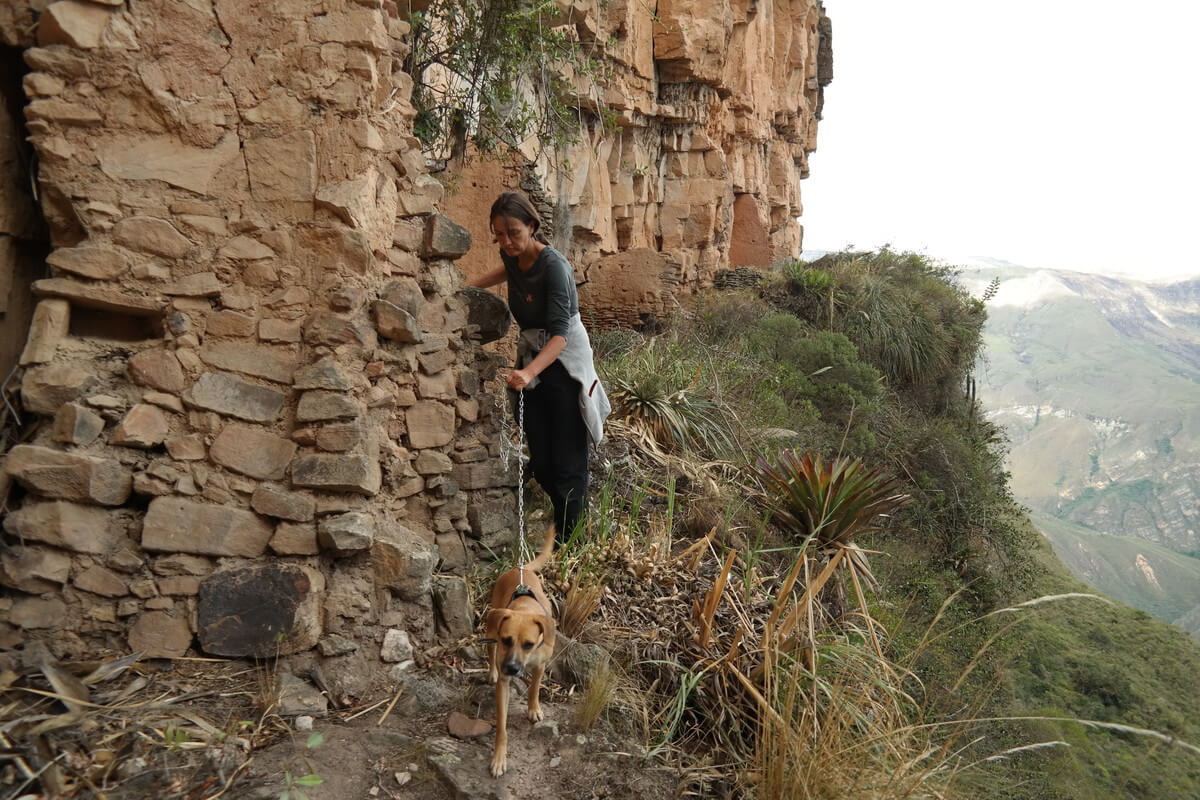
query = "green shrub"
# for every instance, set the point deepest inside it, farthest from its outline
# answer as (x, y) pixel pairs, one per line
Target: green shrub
(904, 312)
(822, 371)
(722, 318)
(494, 73)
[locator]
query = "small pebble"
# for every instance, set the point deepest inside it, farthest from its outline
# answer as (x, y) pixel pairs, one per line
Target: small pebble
(403, 777)
(403, 667)
(304, 723)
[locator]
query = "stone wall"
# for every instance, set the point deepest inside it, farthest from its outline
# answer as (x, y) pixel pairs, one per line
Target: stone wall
(716, 105)
(254, 416)
(260, 405)
(23, 244)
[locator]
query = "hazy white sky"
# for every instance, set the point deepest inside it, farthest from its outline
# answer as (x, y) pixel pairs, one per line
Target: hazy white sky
(1060, 133)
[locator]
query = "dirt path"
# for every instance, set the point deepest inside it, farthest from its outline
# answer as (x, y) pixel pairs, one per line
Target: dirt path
(195, 729)
(412, 755)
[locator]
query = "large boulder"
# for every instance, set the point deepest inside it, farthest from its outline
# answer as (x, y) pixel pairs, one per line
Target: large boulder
(261, 610)
(488, 317)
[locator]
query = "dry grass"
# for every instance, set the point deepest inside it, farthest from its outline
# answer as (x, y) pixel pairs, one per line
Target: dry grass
(88, 728)
(762, 670)
(580, 604)
(183, 728)
(843, 731)
(601, 690)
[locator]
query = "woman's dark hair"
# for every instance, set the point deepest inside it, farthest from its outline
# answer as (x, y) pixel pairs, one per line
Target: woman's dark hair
(517, 206)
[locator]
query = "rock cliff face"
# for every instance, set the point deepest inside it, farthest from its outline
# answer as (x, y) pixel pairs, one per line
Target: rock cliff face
(261, 412)
(248, 390)
(716, 106)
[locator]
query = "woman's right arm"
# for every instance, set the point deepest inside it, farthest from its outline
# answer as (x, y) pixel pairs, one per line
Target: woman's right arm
(488, 279)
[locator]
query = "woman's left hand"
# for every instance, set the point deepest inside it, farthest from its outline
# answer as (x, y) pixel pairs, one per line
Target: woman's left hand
(518, 379)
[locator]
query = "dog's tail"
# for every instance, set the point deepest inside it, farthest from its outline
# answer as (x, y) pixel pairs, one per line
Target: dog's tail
(544, 555)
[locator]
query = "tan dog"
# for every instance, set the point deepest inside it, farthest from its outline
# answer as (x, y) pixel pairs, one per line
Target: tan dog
(520, 632)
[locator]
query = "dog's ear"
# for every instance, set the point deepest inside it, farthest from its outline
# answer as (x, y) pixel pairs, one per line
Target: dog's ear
(491, 627)
(548, 628)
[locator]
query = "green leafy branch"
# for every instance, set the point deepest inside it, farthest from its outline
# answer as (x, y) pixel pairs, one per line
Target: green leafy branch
(498, 73)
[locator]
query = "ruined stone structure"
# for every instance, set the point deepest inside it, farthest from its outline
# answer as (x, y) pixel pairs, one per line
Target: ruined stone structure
(252, 414)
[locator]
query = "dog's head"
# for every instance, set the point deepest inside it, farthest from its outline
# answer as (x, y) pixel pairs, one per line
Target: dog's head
(520, 638)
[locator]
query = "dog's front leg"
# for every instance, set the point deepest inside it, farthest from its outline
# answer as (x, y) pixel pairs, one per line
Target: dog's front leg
(535, 690)
(500, 753)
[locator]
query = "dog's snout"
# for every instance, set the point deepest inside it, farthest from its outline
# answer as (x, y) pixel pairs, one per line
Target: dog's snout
(510, 668)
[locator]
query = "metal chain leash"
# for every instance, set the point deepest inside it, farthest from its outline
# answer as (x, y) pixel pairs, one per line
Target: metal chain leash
(521, 544)
(507, 453)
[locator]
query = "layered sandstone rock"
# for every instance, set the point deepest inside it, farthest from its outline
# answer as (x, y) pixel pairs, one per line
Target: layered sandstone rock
(716, 106)
(235, 307)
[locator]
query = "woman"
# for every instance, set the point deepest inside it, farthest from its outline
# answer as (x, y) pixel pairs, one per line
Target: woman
(565, 405)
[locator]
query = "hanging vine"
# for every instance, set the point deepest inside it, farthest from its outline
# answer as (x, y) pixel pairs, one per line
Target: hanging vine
(498, 73)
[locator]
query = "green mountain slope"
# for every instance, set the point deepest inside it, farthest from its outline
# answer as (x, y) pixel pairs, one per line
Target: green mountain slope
(1059, 673)
(1136, 572)
(1042, 687)
(1088, 660)
(1097, 383)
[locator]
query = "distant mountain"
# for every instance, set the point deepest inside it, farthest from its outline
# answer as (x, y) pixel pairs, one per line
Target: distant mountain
(1136, 572)
(1097, 381)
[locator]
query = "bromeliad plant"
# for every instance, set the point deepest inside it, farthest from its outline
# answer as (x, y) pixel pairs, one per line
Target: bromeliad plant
(828, 503)
(825, 505)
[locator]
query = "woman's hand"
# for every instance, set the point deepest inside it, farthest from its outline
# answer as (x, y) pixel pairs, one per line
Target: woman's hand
(518, 379)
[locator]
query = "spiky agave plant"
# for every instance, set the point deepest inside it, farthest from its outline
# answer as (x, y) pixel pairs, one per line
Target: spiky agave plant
(826, 505)
(829, 503)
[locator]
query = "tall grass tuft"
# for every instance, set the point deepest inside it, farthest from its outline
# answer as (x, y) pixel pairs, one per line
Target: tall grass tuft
(678, 419)
(843, 730)
(580, 604)
(599, 693)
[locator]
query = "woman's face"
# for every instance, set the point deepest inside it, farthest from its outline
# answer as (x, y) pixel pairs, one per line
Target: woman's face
(513, 236)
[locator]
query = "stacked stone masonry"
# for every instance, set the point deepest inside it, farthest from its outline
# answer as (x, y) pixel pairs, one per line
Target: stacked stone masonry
(254, 414)
(261, 412)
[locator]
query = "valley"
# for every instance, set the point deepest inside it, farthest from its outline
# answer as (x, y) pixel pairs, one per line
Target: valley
(1096, 381)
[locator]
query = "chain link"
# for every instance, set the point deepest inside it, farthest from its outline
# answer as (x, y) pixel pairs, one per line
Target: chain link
(508, 451)
(521, 477)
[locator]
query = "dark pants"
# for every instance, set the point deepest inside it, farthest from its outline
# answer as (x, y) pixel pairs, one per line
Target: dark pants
(558, 442)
